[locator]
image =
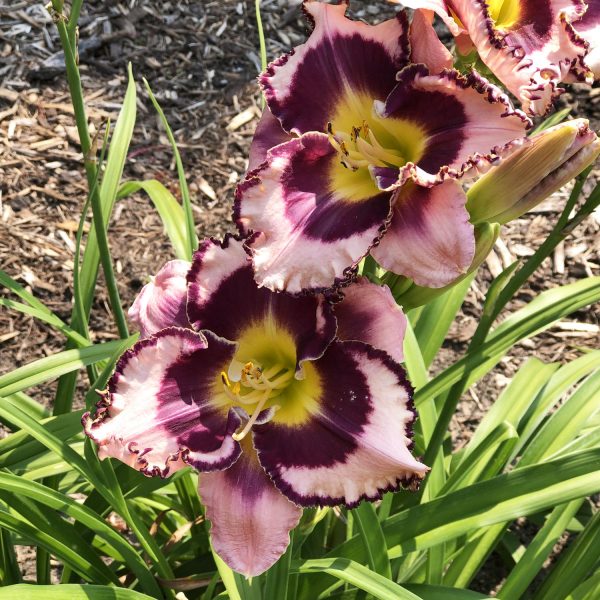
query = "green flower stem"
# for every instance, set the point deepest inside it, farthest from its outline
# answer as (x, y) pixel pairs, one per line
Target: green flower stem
(261, 41)
(261, 36)
(73, 19)
(561, 230)
(76, 91)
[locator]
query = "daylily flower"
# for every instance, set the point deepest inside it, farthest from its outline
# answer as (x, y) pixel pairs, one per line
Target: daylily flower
(530, 46)
(374, 146)
(279, 401)
(554, 157)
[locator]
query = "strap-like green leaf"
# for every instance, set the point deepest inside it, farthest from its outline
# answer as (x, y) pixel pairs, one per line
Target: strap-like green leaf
(60, 502)
(514, 401)
(170, 211)
(119, 144)
(56, 365)
(192, 238)
(46, 317)
(373, 539)
(439, 592)
(574, 565)
(357, 575)
(564, 425)
(70, 592)
(538, 315)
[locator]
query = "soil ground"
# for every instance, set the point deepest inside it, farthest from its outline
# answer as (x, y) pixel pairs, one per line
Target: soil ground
(201, 60)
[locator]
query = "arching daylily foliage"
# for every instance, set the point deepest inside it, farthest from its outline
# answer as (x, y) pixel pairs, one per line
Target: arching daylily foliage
(279, 401)
(375, 147)
(531, 46)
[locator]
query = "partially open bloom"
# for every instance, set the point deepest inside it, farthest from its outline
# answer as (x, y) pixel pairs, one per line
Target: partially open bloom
(529, 176)
(375, 146)
(162, 301)
(530, 46)
(279, 401)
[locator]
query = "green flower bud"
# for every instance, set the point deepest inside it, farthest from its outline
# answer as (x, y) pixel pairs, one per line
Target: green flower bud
(548, 161)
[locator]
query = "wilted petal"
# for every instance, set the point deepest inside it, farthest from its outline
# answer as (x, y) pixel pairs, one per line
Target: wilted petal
(430, 238)
(425, 45)
(312, 223)
(341, 61)
(160, 414)
(369, 313)
(467, 124)
(530, 46)
(353, 440)
(268, 134)
(554, 157)
(251, 519)
(224, 298)
(161, 303)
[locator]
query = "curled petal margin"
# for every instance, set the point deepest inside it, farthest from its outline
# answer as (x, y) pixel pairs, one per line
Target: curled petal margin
(470, 126)
(294, 216)
(157, 415)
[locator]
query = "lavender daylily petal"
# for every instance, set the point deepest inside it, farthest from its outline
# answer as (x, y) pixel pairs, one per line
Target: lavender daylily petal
(340, 59)
(356, 442)
(224, 298)
(269, 133)
(290, 204)
(159, 414)
(430, 238)
(469, 125)
(251, 519)
(161, 303)
(369, 313)
(425, 45)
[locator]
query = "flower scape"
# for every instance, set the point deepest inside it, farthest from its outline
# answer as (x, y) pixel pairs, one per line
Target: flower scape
(268, 364)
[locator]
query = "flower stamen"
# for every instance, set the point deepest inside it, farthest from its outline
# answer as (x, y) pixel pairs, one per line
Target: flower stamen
(255, 387)
(361, 148)
(244, 432)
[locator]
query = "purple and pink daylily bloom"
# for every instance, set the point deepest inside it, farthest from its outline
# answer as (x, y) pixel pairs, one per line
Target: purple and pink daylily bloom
(279, 401)
(531, 46)
(360, 151)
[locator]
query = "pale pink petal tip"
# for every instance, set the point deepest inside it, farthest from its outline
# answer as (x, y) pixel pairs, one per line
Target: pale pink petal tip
(251, 519)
